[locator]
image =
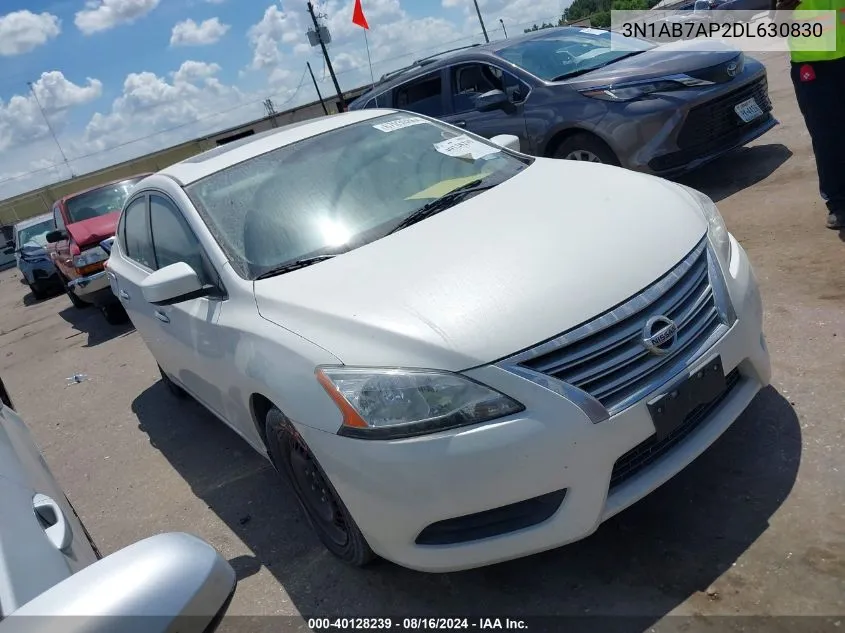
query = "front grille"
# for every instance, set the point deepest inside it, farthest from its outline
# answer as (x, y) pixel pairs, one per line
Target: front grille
(607, 358)
(649, 451)
(715, 126)
(716, 120)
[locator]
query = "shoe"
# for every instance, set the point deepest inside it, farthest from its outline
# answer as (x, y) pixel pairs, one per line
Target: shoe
(836, 221)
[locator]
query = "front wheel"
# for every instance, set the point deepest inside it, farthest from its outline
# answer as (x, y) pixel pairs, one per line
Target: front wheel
(37, 291)
(586, 148)
(323, 507)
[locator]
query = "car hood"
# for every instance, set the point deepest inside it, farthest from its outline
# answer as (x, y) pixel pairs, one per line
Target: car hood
(33, 248)
(553, 247)
(92, 231)
(669, 59)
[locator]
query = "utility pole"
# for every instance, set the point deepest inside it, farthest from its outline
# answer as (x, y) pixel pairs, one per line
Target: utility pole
(50, 127)
(326, 55)
(481, 20)
(317, 88)
(502, 22)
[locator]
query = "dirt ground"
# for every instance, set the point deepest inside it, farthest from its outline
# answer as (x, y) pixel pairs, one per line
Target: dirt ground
(756, 526)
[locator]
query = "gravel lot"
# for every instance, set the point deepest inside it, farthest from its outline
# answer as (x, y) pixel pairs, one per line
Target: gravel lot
(756, 526)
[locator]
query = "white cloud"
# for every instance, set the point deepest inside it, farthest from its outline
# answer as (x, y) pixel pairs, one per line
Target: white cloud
(22, 31)
(102, 15)
(189, 33)
(275, 28)
(21, 121)
(150, 104)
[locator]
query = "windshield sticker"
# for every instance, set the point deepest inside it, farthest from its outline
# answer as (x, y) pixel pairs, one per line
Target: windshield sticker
(398, 124)
(465, 147)
(593, 31)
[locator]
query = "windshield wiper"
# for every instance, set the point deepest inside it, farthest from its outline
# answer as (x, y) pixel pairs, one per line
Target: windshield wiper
(583, 71)
(442, 203)
(294, 265)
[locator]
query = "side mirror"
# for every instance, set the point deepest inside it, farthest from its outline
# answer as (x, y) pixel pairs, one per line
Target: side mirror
(492, 100)
(179, 582)
(508, 141)
(172, 284)
(55, 236)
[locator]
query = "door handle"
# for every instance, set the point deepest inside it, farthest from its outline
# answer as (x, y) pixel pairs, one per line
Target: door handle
(161, 316)
(53, 521)
(124, 295)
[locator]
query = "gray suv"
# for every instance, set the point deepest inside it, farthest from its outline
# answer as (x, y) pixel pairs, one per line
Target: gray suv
(567, 93)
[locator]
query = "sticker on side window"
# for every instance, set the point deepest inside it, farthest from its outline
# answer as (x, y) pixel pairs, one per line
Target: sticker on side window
(398, 124)
(465, 147)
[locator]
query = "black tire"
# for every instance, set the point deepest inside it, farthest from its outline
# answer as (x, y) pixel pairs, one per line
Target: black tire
(319, 500)
(172, 387)
(114, 313)
(590, 148)
(37, 291)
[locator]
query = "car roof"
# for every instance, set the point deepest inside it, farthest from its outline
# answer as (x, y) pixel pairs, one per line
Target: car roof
(38, 219)
(479, 52)
(102, 186)
(210, 162)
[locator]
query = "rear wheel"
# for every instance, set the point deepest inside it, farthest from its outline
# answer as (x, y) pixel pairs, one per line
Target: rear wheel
(326, 513)
(114, 313)
(586, 148)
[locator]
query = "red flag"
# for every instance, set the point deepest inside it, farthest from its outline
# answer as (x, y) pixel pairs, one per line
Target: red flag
(358, 16)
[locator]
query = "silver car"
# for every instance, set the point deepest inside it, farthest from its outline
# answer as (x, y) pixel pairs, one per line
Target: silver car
(49, 567)
(37, 269)
(566, 93)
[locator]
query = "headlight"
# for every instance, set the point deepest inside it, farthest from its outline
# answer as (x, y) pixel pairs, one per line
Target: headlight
(394, 403)
(631, 92)
(716, 229)
(91, 256)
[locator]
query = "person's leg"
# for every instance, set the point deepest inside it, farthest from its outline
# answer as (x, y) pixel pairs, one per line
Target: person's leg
(819, 92)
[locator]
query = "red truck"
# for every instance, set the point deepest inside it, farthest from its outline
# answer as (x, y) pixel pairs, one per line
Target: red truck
(82, 221)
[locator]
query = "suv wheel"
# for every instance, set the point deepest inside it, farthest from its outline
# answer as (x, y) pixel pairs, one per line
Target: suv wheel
(586, 147)
(323, 507)
(37, 291)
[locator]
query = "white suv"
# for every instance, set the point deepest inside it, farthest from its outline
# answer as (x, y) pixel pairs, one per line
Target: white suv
(455, 353)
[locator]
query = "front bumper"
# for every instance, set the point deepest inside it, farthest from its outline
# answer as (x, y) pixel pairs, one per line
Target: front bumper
(94, 288)
(39, 272)
(671, 137)
(396, 489)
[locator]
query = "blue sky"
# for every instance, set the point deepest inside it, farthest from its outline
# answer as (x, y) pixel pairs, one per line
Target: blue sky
(121, 78)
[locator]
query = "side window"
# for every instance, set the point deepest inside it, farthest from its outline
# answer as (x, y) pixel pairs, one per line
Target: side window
(58, 220)
(379, 101)
(423, 95)
(173, 239)
(470, 80)
(137, 243)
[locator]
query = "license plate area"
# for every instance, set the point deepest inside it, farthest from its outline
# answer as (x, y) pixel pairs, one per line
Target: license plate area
(748, 110)
(669, 411)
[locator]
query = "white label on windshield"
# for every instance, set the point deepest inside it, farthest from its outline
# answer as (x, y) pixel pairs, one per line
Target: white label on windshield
(398, 124)
(593, 31)
(465, 147)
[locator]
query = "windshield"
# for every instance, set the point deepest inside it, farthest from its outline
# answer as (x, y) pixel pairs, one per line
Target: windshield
(35, 233)
(99, 201)
(340, 190)
(569, 51)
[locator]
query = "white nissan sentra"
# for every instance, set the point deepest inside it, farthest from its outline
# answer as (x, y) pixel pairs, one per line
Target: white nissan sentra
(456, 354)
